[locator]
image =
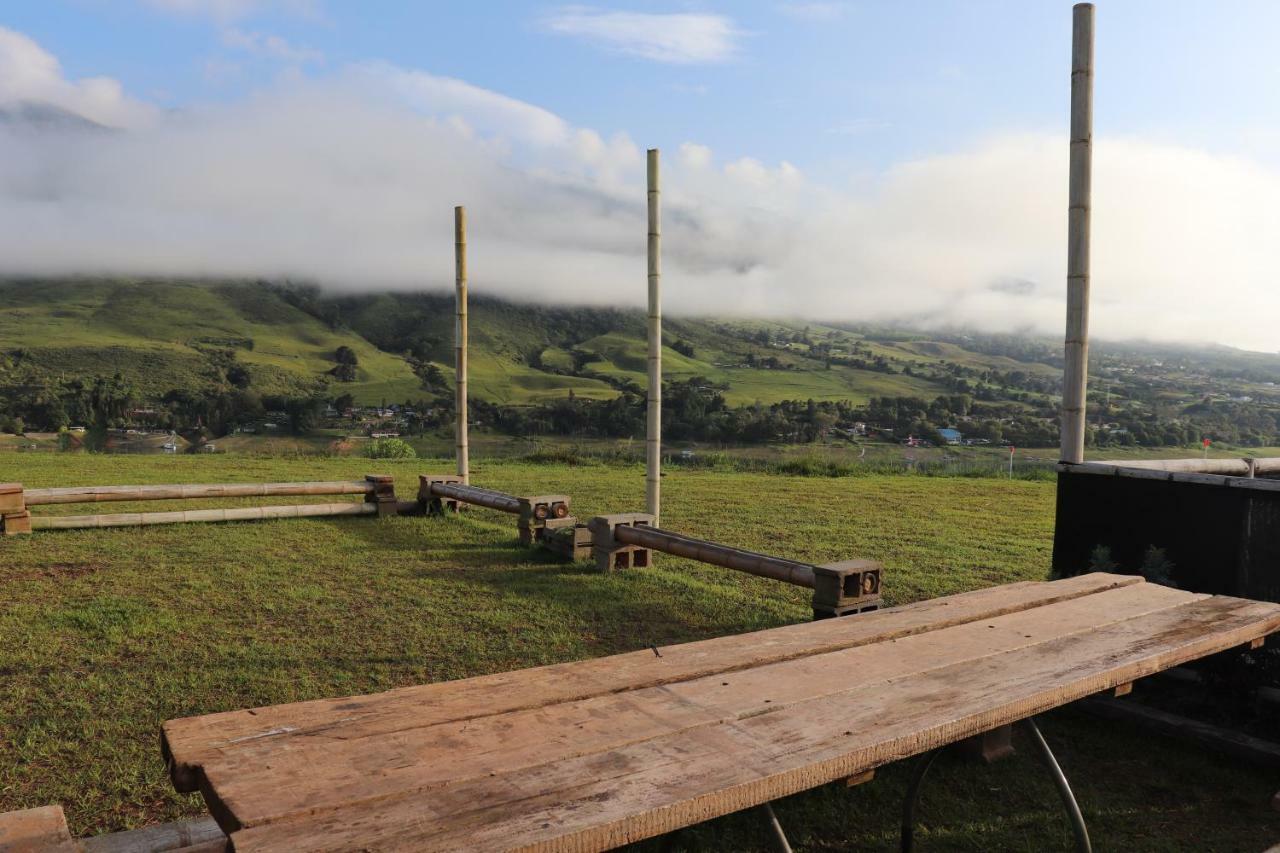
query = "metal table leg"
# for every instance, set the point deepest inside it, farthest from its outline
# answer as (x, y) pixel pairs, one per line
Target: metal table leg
(1059, 779)
(913, 796)
(780, 842)
(1064, 788)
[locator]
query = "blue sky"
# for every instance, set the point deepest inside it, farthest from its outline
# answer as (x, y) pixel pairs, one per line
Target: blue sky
(853, 160)
(836, 87)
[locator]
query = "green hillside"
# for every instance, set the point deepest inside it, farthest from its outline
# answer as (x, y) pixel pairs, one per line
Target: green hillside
(164, 335)
(282, 339)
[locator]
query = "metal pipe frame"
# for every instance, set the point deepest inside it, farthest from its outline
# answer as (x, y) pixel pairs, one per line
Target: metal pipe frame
(926, 761)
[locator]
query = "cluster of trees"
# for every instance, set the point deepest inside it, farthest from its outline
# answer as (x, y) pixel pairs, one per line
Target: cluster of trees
(345, 369)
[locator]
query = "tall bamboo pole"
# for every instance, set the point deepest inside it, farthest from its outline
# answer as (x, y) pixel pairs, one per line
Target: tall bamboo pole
(1076, 372)
(653, 437)
(460, 340)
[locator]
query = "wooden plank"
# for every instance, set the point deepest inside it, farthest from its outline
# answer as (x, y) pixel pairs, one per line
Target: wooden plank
(16, 523)
(604, 800)
(249, 513)
(189, 742)
(35, 831)
(98, 494)
(262, 780)
(11, 498)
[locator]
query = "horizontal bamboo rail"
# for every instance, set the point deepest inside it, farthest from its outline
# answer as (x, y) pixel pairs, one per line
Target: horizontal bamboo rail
(1236, 467)
(98, 494)
(778, 568)
(255, 513)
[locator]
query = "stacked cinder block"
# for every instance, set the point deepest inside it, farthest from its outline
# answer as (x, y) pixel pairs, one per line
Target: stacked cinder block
(612, 554)
(433, 504)
(568, 539)
(383, 488)
(844, 588)
(535, 514)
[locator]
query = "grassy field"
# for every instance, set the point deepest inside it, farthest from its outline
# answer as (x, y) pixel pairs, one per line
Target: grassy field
(105, 634)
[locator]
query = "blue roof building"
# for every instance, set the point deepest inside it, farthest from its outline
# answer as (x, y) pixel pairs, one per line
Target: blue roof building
(950, 436)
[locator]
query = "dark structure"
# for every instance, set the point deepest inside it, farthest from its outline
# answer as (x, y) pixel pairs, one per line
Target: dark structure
(1220, 534)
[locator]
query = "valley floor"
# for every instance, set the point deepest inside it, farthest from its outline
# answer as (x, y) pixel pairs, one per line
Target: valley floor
(105, 634)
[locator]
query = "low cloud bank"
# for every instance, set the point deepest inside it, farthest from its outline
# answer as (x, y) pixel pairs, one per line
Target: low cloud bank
(349, 179)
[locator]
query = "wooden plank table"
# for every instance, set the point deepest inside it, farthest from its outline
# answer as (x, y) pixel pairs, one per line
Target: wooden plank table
(599, 753)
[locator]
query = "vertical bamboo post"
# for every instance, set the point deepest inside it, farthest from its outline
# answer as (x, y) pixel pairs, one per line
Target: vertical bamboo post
(460, 340)
(1076, 372)
(653, 437)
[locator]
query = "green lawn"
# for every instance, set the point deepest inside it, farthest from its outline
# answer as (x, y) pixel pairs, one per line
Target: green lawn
(105, 634)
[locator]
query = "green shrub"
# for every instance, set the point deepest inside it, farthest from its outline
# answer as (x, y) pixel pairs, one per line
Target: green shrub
(390, 448)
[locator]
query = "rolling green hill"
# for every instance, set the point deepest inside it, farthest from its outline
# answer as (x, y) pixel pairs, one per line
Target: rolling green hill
(196, 335)
(164, 335)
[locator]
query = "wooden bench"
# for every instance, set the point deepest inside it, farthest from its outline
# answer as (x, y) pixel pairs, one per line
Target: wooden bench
(600, 753)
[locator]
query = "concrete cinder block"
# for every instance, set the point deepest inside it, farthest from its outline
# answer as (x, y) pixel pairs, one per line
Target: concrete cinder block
(612, 555)
(430, 503)
(846, 587)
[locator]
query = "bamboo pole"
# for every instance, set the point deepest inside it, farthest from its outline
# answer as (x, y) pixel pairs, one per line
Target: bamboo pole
(199, 835)
(777, 568)
(480, 497)
(1079, 204)
(144, 519)
(460, 340)
(99, 494)
(653, 434)
(1237, 467)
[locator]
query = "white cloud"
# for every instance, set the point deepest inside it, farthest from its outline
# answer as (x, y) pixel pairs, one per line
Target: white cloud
(682, 38)
(350, 179)
(270, 46)
(31, 75)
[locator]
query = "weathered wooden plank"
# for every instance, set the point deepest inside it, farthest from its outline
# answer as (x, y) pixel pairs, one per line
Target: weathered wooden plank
(12, 498)
(38, 830)
(189, 742)
(259, 780)
(604, 800)
(248, 513)
(98, 494)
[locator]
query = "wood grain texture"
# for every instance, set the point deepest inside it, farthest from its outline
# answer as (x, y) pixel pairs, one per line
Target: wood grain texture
(601, 753)
(38, 830)
(190, 742)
